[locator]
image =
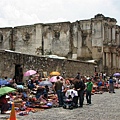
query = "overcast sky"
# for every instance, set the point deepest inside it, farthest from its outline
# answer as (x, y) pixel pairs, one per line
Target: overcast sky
(27, 12)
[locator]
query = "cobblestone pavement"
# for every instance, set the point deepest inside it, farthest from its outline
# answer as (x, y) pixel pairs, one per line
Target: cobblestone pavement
(104, 106)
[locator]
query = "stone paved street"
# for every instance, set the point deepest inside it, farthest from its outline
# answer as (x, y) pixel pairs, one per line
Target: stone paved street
(104, 106)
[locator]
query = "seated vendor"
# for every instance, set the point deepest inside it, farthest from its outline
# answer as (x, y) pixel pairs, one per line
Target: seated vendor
(4, 105)
(22, 94)
(42, 99)
(31, 85)
(40, 91)
(46, 90)
(99, 85)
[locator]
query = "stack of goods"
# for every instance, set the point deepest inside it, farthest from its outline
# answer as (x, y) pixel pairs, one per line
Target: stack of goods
(18, 102)
(53, 99)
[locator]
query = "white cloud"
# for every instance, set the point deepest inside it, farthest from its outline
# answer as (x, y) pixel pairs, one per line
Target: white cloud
(25, 12)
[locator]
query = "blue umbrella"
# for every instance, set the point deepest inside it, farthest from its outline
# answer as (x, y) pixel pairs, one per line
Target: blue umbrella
(3, 82)
(116, 74)
(44, 83)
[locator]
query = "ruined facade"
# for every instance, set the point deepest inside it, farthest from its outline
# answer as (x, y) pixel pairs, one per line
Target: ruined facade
(97, 39)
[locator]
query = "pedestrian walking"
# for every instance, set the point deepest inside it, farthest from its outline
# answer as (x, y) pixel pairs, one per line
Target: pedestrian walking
(81, 93)
(89, 87)
(79, 87)
(111, 85)
(76, 87)
(58, 88)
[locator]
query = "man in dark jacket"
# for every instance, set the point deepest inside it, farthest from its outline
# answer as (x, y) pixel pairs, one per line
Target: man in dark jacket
(81, 93)
(111, 85)
(80, 86)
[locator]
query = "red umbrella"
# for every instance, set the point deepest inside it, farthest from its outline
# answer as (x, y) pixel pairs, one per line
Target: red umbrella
(30, 72)
(54, 78)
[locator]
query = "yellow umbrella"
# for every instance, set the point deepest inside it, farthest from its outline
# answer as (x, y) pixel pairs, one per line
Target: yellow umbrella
(54, 73)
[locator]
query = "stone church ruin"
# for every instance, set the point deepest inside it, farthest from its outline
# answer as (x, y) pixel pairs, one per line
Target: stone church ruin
(95, 39)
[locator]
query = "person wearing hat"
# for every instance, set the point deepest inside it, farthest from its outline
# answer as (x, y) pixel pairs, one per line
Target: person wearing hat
(89, 87)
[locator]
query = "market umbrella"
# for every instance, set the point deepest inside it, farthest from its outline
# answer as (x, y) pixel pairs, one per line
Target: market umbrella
(30, 72)
(54, 78)
(54, 73)
(44, 83)
(3, 82)
(116, 74)
(5, 90)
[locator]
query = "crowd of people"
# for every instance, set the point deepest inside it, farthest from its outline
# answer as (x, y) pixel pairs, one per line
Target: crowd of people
(66, 92)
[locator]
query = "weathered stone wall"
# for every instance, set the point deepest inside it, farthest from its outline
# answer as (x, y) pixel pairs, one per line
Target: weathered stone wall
(28, 39)
(56, 39)
(81, 40)
(9, 59)
(85, 29)
(6, 38)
